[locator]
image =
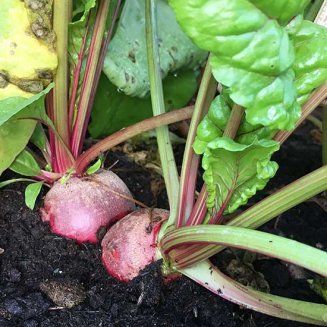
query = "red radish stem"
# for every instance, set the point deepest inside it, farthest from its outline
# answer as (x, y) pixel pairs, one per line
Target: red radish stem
(130, 245)
(78, 208)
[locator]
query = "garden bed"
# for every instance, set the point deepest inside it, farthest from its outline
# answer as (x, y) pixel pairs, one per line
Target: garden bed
(36, 262)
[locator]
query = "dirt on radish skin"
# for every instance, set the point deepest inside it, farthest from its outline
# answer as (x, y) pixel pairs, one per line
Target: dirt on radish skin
(130, 245)
(78, 208)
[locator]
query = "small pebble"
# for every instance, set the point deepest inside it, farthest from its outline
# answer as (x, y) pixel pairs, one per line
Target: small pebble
(14, 275)
(65, 294)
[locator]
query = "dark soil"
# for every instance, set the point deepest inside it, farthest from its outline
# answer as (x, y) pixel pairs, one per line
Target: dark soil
(37, 264)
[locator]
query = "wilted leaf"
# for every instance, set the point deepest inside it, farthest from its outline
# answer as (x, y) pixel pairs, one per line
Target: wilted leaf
(28, 59)
(126, 60)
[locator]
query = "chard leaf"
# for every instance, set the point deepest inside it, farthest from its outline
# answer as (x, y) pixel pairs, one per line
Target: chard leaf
(253, 54)
(310, 64)
(214, 123)
(32, 191)
(234, 172)
(282, 10)
(126, 60)
(25, 164)
(82, 8)
(81, 13)
(122, 110)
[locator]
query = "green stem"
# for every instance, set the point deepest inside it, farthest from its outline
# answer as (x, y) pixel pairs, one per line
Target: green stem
(315, 121)
(16, 180)
(316, 98)
(61, 19)
(199, 210)
(206, 93)
(324, 136)
(251, 240)
(259, 214)
(314, 9)
(214, 280)
(234, 121)
(167, 159)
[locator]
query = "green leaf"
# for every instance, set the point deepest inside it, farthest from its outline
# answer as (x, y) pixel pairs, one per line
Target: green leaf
(32, 191)
(36, 111)
(234, 172)
(39, 138)
(214, 123)
(282, 10)
(13, 105)
(14, 136)
(122, 110)
(25, 164)
(82, 8)
(179, 89)
(126, 60)
(16, 131)
(81, 13)
(95, 167)
(310, 64)
(15, 180)
(253, 54)
(319, 285)
(67, 176)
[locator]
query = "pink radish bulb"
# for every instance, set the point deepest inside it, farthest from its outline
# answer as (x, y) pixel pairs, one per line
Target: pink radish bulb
(130, 245)
(78, 208)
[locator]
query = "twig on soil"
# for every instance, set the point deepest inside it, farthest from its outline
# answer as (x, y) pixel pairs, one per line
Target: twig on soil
(277, 221)
(315, 121)
(56, 308)
(321, 202)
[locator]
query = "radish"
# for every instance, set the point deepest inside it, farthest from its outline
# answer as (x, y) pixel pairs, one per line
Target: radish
(78, 208)
(130, 245)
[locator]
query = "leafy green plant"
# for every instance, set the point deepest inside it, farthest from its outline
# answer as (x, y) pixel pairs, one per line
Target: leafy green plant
(257, 63)
(57, 126)
(267, 70)
(267, 63)
(43, 131)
